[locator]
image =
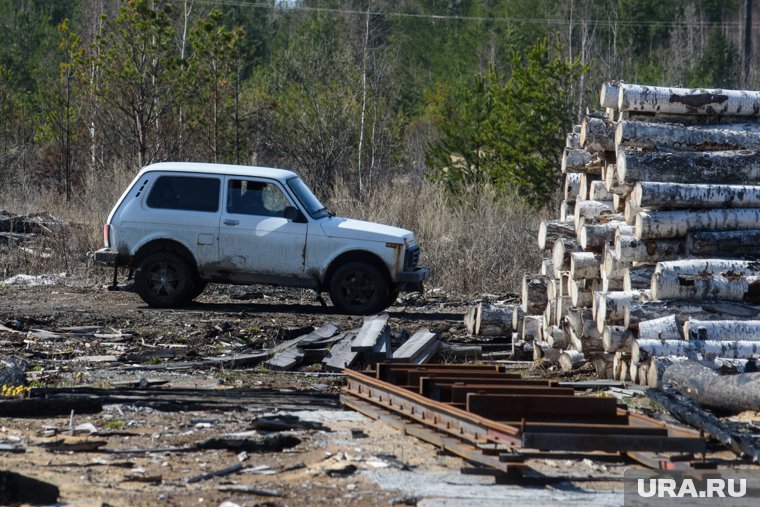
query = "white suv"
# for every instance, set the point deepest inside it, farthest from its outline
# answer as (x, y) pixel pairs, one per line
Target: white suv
(181, 225)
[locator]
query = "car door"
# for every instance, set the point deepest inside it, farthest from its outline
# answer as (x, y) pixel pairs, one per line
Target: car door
(255, 240)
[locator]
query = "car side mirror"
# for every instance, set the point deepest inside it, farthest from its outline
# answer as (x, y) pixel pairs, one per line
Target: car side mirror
(293, 214)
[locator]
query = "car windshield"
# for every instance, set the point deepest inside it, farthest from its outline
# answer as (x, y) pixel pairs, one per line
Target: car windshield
(304, 194)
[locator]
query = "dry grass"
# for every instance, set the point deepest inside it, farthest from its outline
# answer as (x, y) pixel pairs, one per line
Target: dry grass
(482, 243)
(66, 249)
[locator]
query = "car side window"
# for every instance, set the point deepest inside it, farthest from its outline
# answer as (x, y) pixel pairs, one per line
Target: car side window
(185, 193)
(248, 197)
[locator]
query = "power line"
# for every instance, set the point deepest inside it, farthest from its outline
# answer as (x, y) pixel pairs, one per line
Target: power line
(478, 19)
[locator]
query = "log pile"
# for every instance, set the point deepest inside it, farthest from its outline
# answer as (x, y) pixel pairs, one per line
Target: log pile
(34, 235)
(652, 259)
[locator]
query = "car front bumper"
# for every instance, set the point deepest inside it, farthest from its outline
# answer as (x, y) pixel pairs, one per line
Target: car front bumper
(416, 276)
(106, 257)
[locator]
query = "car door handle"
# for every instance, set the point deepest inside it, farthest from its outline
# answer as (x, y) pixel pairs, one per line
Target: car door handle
(231, 222)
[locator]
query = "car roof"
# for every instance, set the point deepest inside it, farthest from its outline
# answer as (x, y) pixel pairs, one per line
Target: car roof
(222, 169)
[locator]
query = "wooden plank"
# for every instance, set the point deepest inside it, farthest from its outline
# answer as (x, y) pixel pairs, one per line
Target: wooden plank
(321, 343)
(45, 335)
(174, 399)
(382, 350)
(374, 329)
(327, 331)
(6, 329)
(235, 361)
(237, 467)
(95, 359)
(42, 407)
(291, 356)
(286, 360)
(419, 341)
(341, 356)
(426, 354)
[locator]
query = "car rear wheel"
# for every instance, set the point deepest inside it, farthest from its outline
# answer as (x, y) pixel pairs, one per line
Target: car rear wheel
(359, 288)
(164, 279)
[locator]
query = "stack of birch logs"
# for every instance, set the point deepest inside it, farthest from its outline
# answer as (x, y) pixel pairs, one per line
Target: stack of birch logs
(651, 261)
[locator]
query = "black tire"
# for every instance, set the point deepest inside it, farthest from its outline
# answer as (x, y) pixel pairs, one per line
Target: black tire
(164, 280)
(359, 288)
(198, 287)
(393, 296)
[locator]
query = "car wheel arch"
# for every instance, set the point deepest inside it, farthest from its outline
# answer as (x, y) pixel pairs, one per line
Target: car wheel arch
(165, 245)
(355, 256)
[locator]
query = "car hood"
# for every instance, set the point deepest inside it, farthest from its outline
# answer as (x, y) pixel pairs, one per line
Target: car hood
(347, 228)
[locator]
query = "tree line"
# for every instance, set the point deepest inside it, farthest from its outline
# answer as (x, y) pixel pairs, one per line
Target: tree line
(347, 92)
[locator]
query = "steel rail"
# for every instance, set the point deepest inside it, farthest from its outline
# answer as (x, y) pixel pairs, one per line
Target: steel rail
(637, 436)
(445, 418)
(453, 445)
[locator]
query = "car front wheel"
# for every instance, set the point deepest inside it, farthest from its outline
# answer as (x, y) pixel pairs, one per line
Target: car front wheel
(164, 279)
(359, 288)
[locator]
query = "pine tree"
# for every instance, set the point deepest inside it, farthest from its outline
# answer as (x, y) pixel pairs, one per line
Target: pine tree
(143, 81)
(215, 67)
(509, 132)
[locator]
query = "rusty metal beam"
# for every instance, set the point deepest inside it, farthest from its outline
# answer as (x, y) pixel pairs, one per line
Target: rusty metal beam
(439, 388)
(508, 407)
(497, 422)
(448, 419)
(459, 392)
(452, 445)
(413, 378)
(610, 443)
(643, 421)
(394, 372)
(598, 429)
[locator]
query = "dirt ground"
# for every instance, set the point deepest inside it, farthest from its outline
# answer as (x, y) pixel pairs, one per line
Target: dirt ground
(222, 321)
(135, 454)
